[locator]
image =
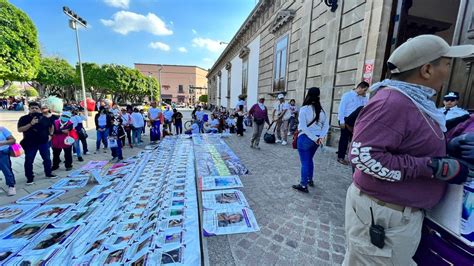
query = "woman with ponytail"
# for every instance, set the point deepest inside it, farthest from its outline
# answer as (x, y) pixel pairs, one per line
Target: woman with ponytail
(313, 127)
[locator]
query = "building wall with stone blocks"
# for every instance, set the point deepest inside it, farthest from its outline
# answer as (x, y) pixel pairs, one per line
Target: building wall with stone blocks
(326, 49)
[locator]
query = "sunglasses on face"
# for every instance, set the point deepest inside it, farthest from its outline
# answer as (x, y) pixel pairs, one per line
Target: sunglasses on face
(450, 100)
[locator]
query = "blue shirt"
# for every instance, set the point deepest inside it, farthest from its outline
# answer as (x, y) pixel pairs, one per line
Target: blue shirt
(195, 128)
(168, 115)
(4, 135)
(102, 121)
(199, 115)
(350, 101)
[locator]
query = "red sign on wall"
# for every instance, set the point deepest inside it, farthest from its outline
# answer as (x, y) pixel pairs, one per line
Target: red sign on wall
(368, 71)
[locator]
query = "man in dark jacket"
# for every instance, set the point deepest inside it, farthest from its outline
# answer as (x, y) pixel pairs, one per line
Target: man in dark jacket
(103, 121)
(37, 130)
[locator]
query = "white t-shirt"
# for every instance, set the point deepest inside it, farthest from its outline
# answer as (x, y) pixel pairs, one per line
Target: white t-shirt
(137, 120)
(214, 123)
(168, 114)
(126, 119)
(194, 128)
(199, 115)
(154, 113)
(76, 119)
(230, 122)
(280, 108)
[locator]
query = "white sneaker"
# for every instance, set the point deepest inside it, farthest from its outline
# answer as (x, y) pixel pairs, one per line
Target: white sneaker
(289, 134)
(278, 141)
(11, 191)
(283, 143)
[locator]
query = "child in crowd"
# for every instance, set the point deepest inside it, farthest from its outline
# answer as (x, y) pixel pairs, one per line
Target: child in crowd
(114, 140)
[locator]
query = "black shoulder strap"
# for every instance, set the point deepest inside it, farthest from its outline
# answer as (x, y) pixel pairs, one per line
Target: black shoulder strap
(314, 119)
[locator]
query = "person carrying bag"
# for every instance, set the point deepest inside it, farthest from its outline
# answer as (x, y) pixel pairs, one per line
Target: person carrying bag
(64, 136)
(259, 112)
(269, 137)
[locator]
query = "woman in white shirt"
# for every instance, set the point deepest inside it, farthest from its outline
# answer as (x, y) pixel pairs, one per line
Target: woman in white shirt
(313, 128)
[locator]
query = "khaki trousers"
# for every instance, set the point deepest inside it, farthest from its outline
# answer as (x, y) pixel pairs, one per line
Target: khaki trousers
(282, 130)
(402, 232)
(257, 133)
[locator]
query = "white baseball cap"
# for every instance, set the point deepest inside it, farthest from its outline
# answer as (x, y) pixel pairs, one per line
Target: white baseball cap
(424, 49)
(281, 96)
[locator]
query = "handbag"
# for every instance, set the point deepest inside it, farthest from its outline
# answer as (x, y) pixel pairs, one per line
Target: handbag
(269, 137)
(297, 132)
(16, 150)
(82, 133)
(112, 142)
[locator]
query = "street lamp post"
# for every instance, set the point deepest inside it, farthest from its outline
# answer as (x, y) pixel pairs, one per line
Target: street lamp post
(159, 79)
(73, 24)
(151, 90)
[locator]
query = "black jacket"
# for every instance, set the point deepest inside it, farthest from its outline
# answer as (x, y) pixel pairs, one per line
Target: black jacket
(96, 119)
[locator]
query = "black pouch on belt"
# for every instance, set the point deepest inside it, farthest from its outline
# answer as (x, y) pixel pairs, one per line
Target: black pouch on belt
(377, 233)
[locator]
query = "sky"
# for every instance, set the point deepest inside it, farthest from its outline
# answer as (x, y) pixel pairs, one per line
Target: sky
(181, 32)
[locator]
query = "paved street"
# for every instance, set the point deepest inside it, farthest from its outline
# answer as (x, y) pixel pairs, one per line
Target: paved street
(296, 228)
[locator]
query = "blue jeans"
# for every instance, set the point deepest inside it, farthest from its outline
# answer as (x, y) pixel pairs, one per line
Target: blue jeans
(6, 167)
(179, 128)
(77, 148)
(30, 154)
(155, 133)
(201, 126)
(137, 135)
(102, 136)
(306, 149)
(117, 151)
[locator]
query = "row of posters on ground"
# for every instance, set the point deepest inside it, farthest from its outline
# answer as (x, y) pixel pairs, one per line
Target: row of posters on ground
(143, 212)
(225, 209)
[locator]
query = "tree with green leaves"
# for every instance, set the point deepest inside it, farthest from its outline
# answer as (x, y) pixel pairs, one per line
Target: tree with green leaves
(203, 98)
(19, 46)
(55, 77)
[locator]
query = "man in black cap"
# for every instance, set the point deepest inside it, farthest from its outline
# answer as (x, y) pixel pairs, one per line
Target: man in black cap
(451, 109)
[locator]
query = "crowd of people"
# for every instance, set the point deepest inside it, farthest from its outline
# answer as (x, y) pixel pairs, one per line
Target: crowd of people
(401, 163)
(13, 103)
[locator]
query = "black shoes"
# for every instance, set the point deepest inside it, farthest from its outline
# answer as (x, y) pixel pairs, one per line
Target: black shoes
(51, 176)
(301, 188)
(80, 159)
(311, 183)
(68, 168)
(54, 168)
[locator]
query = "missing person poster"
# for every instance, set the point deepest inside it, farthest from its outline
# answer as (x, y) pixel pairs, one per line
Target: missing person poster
(227, 221)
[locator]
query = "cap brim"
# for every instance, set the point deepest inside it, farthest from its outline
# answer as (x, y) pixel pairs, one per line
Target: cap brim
(460, 51)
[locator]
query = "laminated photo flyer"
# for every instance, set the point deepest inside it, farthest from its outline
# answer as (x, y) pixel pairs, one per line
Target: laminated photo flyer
(223, 198)
(7, 252)
(71, 183)
(172, 256)
(47, 214)
(41, 196)
(141, 247)
(171, 237)
(91, 201)
(94, 247)
(19, 233)
(120, 240)
(10, 213)
(147, 259)
(74, 217)
(112, 257)
(229, 221)
(220, 182)
(51, 239)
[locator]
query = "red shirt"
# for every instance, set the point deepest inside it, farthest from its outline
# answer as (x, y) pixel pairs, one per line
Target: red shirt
(393, 142)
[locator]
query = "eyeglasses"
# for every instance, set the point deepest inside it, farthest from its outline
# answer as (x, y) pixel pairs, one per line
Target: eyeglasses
(450, 100)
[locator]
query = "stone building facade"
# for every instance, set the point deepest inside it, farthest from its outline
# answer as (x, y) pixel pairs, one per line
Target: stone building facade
(306, 43)
(179, 83)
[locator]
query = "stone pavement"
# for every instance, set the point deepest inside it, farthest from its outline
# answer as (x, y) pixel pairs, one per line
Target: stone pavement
(295, 228)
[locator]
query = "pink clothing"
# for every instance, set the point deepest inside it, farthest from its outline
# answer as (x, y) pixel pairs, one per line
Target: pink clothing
(393, 142)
